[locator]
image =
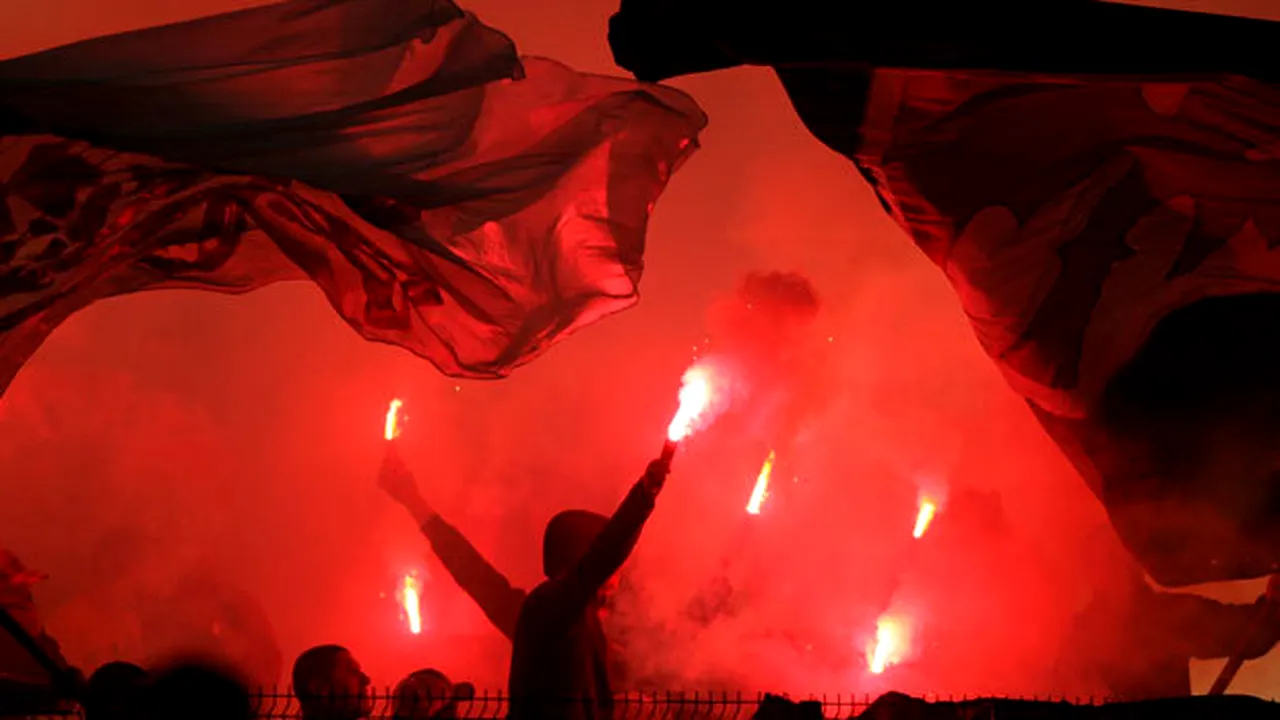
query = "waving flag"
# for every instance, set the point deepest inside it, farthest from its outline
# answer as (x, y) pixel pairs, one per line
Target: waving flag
(1080, 171)
(445, 195)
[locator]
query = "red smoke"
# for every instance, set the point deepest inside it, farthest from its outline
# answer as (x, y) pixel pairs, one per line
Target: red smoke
(244, 432)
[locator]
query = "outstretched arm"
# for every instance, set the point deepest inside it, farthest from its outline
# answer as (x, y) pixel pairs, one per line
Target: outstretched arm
(489, 588)
(612, 547)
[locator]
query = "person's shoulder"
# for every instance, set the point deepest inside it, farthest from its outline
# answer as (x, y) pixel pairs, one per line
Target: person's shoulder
(541, 591)
(540, 599)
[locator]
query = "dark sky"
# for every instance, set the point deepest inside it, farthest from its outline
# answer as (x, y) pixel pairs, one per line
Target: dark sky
(244, 432)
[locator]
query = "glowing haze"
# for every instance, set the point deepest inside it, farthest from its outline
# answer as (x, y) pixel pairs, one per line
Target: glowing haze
(169, 433)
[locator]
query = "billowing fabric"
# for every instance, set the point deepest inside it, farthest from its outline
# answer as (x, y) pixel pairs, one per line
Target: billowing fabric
(445, 195)
(1075, 187)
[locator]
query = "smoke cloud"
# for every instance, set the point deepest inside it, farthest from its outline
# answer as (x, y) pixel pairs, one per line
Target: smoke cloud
(169, 435)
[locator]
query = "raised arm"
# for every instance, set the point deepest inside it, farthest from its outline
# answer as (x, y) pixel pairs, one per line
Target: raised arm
(489, 588)
(611, 548)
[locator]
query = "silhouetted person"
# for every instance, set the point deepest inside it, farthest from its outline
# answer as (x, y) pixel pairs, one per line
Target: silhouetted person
(196, 691)
(560, 652)
(1137, 643)
(559, 655)
(330, 685)
(484, 584)
(115, 691)
(429, 694)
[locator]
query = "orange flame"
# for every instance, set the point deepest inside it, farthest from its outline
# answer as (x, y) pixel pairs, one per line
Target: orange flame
(890, 646)
(695, 398)
(928, 509)
(761, 491)
(411, 600)
(391, 429)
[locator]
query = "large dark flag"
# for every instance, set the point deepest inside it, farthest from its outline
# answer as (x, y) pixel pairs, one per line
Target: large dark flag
(445, 194)
(1101, 185)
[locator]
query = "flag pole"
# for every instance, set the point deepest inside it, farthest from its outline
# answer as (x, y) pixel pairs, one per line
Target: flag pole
(1264, 617)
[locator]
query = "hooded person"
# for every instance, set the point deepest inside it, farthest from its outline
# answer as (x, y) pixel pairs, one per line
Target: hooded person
(479, 579)
(560, 654)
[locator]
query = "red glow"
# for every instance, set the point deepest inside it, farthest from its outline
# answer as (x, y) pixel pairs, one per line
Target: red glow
(242, 427)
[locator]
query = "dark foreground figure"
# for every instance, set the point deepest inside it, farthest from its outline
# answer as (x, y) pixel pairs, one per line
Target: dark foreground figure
(1098, 182)
(560, 662)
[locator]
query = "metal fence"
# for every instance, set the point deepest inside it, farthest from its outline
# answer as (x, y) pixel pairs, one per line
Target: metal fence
(670, 705)
(631, 706)
(280, 704)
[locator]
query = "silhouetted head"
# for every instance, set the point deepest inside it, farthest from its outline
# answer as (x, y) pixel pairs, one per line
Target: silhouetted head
(330, 684)
(115, 692)
(429, 694)
(198, 691)
(567, 538)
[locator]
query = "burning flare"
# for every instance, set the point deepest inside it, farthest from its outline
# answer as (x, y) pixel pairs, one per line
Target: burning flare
(924, 517)
(411, 601)
(695, 398)
(890, 645)
(391, 430)
(761, 491)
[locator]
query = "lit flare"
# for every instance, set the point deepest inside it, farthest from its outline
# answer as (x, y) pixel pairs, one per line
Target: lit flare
(695, 397)
(411, 600)
(391, 430)
(890, 645)
(761, 490)
(924, 517)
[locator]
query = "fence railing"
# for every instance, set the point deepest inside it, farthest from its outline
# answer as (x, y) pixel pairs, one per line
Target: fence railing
(486, 705)
(281, 704)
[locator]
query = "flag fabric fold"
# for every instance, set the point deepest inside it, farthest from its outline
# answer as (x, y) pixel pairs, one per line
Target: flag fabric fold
(1076, 187)
(445, 194)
